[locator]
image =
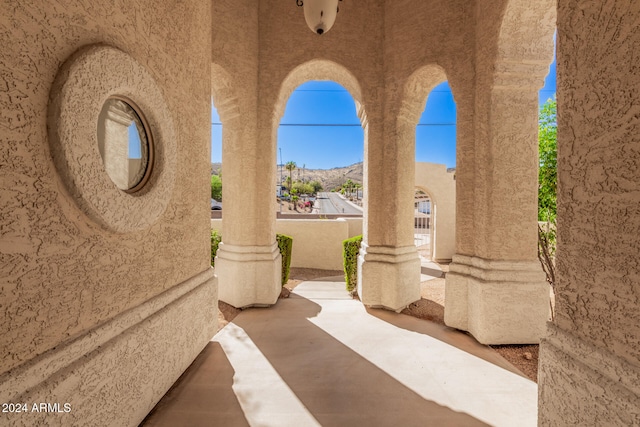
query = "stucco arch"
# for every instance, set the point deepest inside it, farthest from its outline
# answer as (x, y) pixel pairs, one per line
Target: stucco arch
(526, 30)
(417, 89)
(525, 43)
(224, 95)
(433, 179)
(319, 69)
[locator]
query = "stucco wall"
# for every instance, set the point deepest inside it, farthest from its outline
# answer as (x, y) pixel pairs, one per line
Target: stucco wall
(598, 277)
(440, 185)
(317, 243)
(64, 274)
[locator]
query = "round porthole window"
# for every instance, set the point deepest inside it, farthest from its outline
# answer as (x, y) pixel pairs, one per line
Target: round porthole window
(112, 139)
(125, 144)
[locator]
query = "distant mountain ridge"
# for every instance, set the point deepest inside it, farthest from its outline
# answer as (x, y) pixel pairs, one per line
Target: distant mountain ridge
(329, 178)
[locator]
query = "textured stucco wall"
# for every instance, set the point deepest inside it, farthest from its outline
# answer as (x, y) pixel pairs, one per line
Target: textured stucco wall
(514, 48)
(317, 243)
(598, 291)
(62, 273)
(495, 287)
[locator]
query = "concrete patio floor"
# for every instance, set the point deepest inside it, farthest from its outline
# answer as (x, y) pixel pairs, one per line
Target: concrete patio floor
(320, 358)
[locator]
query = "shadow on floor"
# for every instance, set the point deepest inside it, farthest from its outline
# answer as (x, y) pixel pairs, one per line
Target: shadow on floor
(432, 272)
(202, 396)
(441, 332)
(426, 309)
(336, 385)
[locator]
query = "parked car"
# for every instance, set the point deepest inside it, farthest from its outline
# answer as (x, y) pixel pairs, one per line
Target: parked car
(216, 205)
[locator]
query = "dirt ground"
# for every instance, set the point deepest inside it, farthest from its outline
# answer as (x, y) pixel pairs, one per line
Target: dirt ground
(429, 307)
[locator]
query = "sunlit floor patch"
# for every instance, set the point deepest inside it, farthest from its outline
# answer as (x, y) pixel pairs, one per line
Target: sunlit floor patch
(439, 364)
(264, 397)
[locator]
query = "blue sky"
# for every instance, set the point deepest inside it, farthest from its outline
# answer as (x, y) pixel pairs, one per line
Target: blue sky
(320, 128)
(134, 142)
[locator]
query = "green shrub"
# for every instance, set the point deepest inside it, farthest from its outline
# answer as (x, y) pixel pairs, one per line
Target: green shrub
(215, 241)
(285, 244)
(350, 249)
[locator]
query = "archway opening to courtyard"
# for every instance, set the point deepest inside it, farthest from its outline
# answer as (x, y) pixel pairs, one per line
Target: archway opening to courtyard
(434, 205)
(320, 151)
(320, 129)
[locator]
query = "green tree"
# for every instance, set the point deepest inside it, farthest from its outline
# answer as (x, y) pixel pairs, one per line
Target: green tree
(216, 187)
(358, 188)
(349, 186)
(316, 186)
(290, 166)
(548, 155)
(547, 191)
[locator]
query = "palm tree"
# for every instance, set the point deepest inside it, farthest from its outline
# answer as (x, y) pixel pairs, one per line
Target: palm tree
(290, 166)
(349, 187)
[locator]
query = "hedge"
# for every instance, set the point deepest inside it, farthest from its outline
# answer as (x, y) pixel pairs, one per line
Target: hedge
(350, 249)
(215, 241)
(285, 243)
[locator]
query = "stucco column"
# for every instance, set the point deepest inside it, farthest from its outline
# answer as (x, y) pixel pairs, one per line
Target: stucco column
(498, 292)
(388, 264)
(590, 358)
(248, 263)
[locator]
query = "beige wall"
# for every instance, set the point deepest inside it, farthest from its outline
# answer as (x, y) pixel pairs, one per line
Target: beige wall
(440, 185)
(590, 361)
(67, 279)
(317, 243)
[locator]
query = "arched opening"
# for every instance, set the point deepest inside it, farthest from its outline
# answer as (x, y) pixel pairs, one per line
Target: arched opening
(435, 170)
(216, 162)
(548, 178)
(320, 152)
(320, 129)
(423, 226)
(224, 111)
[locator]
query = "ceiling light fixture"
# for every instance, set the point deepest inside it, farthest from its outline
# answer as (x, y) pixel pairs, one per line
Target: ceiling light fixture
(319, 14)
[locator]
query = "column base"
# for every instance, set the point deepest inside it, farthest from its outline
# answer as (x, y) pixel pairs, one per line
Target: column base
(498, 302)
(388, 277)
(248, 276)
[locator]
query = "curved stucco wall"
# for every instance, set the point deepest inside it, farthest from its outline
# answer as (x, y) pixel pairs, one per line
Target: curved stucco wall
(68, 281)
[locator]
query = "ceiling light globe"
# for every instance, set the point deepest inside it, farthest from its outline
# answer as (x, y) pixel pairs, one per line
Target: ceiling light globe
(320, 14)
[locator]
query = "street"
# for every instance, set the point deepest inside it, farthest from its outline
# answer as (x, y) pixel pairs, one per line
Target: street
(332, 203)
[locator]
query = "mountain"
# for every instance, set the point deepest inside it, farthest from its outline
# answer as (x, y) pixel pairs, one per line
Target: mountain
(329, 178)
(216, 168)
